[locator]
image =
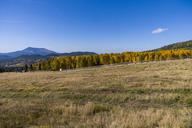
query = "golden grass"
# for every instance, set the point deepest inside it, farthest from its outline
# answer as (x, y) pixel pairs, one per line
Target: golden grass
(145, 95)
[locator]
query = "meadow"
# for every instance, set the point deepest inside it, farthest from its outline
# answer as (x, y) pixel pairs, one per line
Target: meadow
(142, 95)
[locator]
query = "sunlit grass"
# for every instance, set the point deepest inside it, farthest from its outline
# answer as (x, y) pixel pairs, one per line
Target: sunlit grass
(147, 95)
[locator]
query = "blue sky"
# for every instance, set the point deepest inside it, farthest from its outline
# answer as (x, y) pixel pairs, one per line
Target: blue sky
(94, 25)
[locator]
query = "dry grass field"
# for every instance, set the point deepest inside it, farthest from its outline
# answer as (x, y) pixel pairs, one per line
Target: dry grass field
(147, 95)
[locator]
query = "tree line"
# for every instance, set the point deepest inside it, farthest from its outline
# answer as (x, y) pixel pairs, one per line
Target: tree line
(73, 62)
(25, 68)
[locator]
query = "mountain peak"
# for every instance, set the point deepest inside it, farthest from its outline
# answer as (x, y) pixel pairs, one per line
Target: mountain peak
(29, 48)
(37, 51)
(29, 51)
(33, 48)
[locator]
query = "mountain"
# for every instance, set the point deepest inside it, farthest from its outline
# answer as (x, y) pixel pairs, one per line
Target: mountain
(28, 51)
(4, 57)
(32, 55)
(179, 45)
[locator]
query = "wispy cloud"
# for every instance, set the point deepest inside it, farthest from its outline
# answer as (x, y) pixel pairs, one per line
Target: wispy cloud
(159, 30)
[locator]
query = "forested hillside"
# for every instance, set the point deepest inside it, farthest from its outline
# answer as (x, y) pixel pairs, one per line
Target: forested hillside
(179, 45)
(104, 59)
(55, 62)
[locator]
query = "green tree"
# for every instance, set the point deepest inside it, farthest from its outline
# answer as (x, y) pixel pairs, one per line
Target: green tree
(26, 68)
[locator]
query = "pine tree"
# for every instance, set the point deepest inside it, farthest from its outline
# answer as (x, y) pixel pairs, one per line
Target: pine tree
(26, 68)
(31, 67)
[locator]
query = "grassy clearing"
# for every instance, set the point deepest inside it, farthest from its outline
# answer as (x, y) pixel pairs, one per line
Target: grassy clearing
(148, 95)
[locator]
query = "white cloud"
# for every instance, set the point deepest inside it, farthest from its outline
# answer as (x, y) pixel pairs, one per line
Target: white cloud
(159, 30)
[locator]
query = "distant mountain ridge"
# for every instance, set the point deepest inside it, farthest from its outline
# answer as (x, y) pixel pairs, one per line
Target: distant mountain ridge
(29, 51)
(178, 45)
(32, 55)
